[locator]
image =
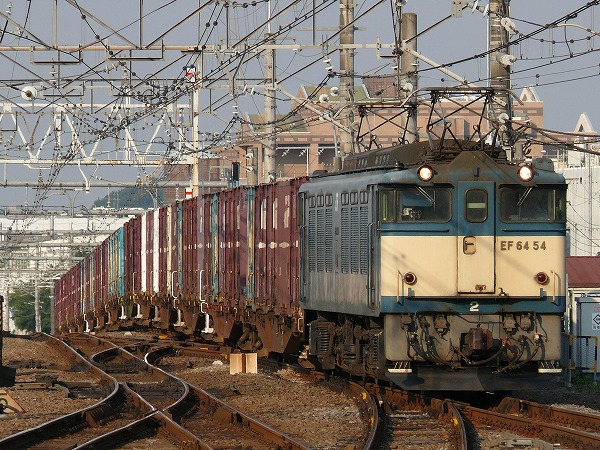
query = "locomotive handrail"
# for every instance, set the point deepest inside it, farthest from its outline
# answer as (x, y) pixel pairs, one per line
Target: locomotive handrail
(370, 288)
(303, 264)
(554, 284)
(529, 229)
(419, 230)
(400, 276)
(200, 290)
(173, 287)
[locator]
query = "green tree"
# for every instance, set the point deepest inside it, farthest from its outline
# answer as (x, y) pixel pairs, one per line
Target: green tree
(22, 304)
(131, 197)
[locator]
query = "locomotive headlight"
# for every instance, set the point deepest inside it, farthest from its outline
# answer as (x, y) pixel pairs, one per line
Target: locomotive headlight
(425, 173)
(410, 278)
(542, 277)
(525, 172)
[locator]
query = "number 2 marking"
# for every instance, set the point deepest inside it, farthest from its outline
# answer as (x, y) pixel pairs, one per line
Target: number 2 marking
(474, 306)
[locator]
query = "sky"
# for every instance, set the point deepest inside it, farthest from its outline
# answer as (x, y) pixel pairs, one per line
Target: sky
(560, 62)
(568, 86)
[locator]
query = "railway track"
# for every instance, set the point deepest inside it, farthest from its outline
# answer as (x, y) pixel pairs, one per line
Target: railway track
(573, 429)
(133, 410)
(144, 404)
(117, 408)
(254, 393)
(415, 421)
(411, 425)
(413, 430)
(211, 421)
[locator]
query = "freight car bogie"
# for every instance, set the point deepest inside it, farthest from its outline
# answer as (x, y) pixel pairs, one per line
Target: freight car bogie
(353, 343)
(243, 328)
(257, 331)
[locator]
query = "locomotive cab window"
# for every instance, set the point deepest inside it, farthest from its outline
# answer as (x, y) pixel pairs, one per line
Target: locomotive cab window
(476, 205)
(533, 204)
(414, 204)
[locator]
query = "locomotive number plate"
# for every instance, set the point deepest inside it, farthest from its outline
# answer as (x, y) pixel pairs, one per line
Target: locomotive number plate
(522, 245)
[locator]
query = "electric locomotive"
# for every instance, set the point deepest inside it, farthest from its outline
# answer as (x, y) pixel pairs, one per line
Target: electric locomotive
(436, 265)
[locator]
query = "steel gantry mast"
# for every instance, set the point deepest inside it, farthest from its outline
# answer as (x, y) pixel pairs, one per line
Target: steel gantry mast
(500, 62)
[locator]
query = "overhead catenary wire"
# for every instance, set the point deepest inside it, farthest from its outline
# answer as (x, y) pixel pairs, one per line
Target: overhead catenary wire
(177, 90)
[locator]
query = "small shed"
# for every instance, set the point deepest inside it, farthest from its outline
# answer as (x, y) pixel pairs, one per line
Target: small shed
(584, 273)
(583, 309)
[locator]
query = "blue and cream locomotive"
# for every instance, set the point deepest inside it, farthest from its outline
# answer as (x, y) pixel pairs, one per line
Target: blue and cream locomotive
(436, 266)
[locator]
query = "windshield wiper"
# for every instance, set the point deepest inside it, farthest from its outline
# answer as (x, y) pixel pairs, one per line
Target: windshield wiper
(425, 194)
(525, 194)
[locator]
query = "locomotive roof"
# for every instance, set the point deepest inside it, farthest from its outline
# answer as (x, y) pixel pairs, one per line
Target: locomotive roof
(451, 162)
(406, 155)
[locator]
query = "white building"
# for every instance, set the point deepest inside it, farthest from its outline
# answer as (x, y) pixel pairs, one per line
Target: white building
(582, 173)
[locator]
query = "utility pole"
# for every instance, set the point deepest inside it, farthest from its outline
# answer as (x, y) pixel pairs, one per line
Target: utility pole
(270, 143)
(408, 82)
(1, 326)
(252, 166)
(38, 315)
(38, 311)
(346, 88)
(500, 61)
(52, 311)
(6, 309)
(196, 156)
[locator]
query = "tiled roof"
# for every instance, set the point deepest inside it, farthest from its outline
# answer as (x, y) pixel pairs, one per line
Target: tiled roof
(290, 123)
(583, 271)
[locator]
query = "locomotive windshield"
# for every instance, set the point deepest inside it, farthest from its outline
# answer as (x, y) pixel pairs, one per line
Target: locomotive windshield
(414, 203)
(532, 204)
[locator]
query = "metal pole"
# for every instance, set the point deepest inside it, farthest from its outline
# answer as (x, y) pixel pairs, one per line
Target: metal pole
(269, 148)
(409, 72)
(38, 316)
(252, 166)
(141, 23)
(500, 71)
(196, 155)
(6, 317)
(1, 327)
(307, 158)
(346, 88)
(52, 311)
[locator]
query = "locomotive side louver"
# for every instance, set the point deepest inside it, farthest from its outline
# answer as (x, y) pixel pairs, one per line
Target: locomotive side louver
(320, 338)
(376, 351)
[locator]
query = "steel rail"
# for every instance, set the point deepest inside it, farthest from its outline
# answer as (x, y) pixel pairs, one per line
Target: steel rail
(80, 419)
(535, 428)
(154, 350)
(221, 411)
(551, 414)
(400, 399)
(156, 424)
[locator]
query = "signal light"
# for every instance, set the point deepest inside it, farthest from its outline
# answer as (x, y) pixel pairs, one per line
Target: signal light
(425, 172)
(410, 278)
(525, 172)
(542, 277)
